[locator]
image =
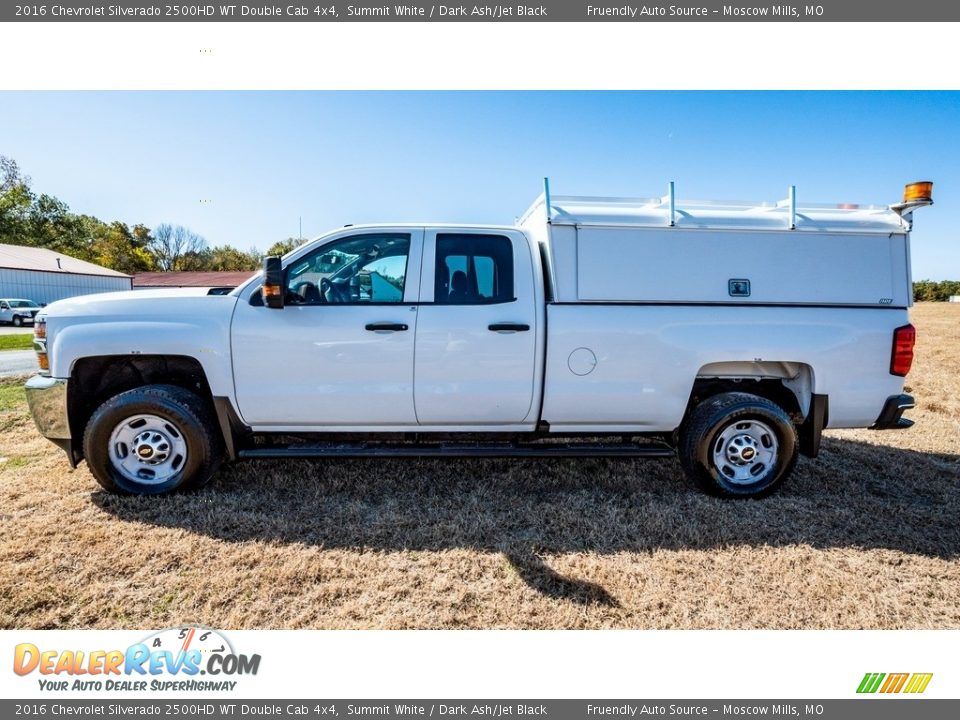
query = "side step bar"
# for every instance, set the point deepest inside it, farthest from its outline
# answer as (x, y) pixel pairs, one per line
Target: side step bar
(459, 450)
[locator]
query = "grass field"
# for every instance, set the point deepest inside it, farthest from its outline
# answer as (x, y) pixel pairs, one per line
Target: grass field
(867, 536)
(16, 342)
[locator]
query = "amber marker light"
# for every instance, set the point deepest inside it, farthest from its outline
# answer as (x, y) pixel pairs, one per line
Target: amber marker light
(40, 345)
(918, 192)
(271, 291)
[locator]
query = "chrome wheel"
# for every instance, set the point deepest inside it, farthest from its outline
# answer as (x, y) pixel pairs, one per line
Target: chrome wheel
(745, 452)
(147, 449)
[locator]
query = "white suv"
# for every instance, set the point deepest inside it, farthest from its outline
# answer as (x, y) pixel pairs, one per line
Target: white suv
(17, 312)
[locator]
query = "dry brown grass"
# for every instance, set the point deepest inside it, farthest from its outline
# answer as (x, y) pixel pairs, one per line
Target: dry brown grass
(867, 536)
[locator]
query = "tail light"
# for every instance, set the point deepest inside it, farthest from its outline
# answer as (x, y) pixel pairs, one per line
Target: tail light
(901, 358)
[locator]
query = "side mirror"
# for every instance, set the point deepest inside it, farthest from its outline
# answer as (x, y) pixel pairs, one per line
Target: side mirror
(272, 283)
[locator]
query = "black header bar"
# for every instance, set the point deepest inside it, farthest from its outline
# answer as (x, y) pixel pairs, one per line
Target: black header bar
(332, 11)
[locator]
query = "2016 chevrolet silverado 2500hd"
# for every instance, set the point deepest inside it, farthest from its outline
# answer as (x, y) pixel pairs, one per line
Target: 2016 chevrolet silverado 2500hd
(730, 334)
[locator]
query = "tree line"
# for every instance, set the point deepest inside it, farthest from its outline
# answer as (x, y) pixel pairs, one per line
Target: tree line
(932, 291)
(41, 220)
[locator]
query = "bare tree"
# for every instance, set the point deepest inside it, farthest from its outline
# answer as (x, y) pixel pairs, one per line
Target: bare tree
(173, 244)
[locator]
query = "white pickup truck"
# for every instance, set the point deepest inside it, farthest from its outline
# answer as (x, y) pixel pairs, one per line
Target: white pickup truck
(729, 334)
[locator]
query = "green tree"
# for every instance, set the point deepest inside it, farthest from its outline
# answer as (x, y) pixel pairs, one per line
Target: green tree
(226, 258)
(10, 175)
(284, 246)
(116, 246)
(51, 225)
(931, 291)
(15, 203)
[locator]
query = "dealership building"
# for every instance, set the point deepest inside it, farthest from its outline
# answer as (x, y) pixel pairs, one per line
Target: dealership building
(44, 275)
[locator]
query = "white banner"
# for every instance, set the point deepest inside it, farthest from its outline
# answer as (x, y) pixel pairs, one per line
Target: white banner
(479, 664)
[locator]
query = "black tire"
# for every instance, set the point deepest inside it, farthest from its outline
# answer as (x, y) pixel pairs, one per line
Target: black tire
(17, 321)
(190, 419)
(702, 439)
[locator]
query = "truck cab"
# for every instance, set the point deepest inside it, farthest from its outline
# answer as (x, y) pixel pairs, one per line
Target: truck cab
(396, 327)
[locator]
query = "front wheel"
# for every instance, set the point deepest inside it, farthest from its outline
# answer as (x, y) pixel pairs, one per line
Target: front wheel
(738, 445)
(17, 321)
(152, 440)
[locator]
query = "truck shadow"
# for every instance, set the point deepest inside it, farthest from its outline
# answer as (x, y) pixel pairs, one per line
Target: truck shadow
(855, 495)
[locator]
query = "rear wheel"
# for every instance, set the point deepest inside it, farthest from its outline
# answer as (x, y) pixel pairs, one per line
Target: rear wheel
(152, 440)
(738, 445)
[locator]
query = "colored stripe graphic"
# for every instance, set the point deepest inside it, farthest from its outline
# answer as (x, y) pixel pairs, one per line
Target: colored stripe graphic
(918, 682)
(894, 683)
(870, 682)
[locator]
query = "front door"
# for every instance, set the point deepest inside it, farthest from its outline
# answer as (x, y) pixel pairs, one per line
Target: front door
(476, 330)
(340, 353)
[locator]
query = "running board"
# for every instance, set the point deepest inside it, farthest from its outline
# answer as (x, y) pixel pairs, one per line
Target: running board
(460, 450)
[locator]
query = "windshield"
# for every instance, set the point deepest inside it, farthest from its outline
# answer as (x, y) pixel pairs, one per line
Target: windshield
(23, 304)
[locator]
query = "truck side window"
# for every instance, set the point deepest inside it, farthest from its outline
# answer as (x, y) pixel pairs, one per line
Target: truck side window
(359, 269)
(473, 269)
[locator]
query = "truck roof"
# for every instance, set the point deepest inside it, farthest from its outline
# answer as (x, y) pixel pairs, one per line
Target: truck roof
(719, 215)
(419, 226)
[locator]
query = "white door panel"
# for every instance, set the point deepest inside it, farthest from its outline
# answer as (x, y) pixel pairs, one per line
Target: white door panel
(331, 364)
(321, 366)
(467, 372)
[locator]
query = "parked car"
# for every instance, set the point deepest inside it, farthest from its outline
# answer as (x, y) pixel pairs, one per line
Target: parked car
(731, 335)
(18, 312)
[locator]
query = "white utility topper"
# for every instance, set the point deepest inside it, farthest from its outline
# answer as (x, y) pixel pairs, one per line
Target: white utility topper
(729, 334)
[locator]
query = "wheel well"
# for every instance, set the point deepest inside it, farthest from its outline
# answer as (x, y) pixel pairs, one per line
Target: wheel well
(94, 380)
(772, 390)
(788, 384)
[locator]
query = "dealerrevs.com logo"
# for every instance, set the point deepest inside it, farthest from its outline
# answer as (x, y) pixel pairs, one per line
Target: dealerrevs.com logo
(173, 659)
(910, 683)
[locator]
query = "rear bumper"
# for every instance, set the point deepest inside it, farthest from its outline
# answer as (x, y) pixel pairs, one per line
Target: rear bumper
(891, 417)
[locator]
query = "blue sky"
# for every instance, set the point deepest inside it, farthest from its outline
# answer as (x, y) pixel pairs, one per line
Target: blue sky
(241, 168)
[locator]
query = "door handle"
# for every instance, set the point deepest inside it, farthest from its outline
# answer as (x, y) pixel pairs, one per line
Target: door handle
(381, 326)
(508, 327)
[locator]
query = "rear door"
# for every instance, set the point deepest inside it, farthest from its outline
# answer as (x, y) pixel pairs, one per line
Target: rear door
(476, 339)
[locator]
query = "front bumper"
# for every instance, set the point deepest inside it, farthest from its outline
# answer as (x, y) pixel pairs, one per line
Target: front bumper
(891, 417)
(47, 398)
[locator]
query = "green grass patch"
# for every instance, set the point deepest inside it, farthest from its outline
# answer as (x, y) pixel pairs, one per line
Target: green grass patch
(13, 463)
(16, 342)
(12, 396)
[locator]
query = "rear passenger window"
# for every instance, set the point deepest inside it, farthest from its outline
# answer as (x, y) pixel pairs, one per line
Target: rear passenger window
(473, 269)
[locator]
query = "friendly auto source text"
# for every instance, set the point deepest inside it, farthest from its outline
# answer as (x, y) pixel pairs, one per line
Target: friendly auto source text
(641, 11)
